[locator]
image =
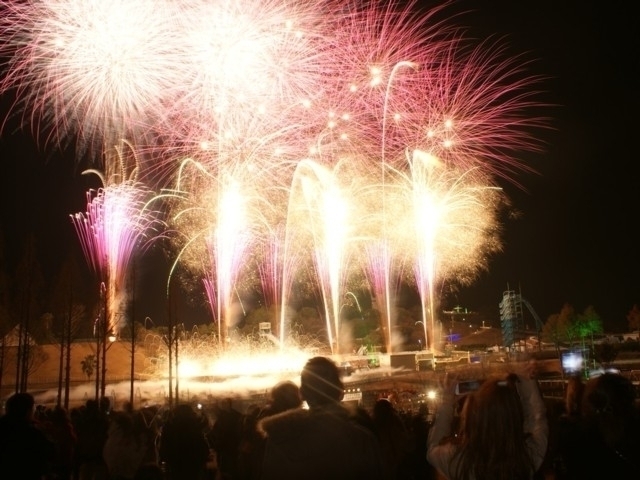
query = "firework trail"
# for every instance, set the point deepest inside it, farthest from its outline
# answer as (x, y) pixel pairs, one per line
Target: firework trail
(250, 68)
(277, 272)
(379, 271)
(323, 201)
(452, 224)
(115, 224)
(227, 244)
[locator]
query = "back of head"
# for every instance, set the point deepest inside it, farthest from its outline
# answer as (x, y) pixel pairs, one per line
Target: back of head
(494, 412)
(20, 406)
(91, 406)
(285, 396)
(123, 421)
(60, 415)
(383, 409)
(320, 382)
(183, 420)
(494, 409)
(609, 393)
(610, 438)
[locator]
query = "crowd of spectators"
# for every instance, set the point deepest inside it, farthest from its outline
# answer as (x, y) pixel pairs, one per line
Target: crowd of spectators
(503, 430)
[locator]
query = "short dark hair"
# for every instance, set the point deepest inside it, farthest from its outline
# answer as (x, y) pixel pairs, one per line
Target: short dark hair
(320, 382)
(609, 393)
(20, 405)
(285, 395)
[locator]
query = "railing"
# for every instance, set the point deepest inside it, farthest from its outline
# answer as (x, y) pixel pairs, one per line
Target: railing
(553, 388)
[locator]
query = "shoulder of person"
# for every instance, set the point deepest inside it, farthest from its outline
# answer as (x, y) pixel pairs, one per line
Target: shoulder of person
(280, 423)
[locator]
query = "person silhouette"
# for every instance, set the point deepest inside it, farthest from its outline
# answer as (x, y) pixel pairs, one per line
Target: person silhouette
(285, 395)
(25, 451)
(605, 440)
(502, 433)
(323, 441)
(393, 437)
(183, 447)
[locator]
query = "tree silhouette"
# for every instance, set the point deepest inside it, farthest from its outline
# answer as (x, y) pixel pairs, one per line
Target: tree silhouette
(6, 323)
(28, 288)
(554, 330)
(68, 317)
(567, 317)
(88, 365)
(587, 324)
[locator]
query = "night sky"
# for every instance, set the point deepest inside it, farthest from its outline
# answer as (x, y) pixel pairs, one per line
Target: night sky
(576, 239)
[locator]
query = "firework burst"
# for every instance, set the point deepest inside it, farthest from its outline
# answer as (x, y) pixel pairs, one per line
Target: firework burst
(305, 127)
(95, 70)
(223, 81)
(115, 224)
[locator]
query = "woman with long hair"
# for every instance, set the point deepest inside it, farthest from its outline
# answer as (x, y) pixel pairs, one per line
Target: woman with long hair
(502, 431)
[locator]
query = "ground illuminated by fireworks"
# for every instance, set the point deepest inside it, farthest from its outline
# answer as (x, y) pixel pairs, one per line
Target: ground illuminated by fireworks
(269, 139)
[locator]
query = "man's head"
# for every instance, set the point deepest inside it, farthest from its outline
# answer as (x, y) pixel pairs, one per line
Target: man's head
(20, 406)
(320, 382)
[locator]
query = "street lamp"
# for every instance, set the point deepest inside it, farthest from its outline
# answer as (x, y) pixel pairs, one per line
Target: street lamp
(420, 322)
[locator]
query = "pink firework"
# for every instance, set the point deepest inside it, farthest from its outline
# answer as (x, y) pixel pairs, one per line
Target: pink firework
(267, 79)
(402, 80)
(276, 268)
(115, 224)
(379, 273)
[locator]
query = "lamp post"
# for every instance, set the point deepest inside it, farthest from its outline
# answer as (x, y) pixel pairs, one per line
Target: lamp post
(420, 322)
(108, 340)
